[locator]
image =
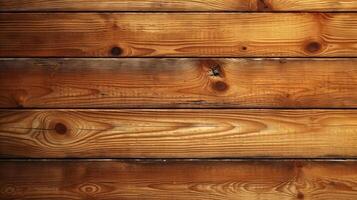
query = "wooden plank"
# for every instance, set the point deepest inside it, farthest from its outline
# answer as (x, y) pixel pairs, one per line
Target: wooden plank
(178, 5)
(178, 34)
(309, 5)
(128, 5)
(174, 83)
(178, 133)
(223, 180)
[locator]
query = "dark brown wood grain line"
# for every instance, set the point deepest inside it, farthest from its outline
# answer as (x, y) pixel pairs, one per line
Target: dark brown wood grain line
(184, 133)
(179, 180)
(178, 34)
(178, 5)
(178, 83)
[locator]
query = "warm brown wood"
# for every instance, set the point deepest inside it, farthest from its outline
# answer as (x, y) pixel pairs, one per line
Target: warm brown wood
(178, 5)
(178, 133)
(216, 180)
(128, 5)
(154, 83)
(178, 34)
(308, 5)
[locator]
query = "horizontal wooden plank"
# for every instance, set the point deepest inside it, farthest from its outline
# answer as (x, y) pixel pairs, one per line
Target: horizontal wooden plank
(178, 34)
(309, 5)
(173, 83)
(128, 5)
(178, 5)
(178, 133)
(248, 180)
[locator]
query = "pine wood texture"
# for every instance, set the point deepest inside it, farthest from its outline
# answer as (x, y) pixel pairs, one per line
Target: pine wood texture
(178, 133)
(175, 83)
(223, 180)
(178, 99)
(178, 34)
(178, 5)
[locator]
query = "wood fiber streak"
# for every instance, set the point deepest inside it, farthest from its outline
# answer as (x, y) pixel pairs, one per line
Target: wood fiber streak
(223, 180)
(178, 5)
(174, 83)
(178, 133)
(178, 34)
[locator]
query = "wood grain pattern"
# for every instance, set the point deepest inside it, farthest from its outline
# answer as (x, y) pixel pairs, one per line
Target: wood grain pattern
(173, 83)
(309, 5)
(178, 34)
(222, 180)
(178, 133)
(178, 5)
(127, 5)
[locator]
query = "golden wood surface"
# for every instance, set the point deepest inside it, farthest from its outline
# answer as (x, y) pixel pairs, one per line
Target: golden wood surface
(175, 83)
(178, 5)
(216, 180)
(171, 133)
(178, 34)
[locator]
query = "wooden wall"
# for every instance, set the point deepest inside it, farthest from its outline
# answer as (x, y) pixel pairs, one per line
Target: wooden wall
(178, 99)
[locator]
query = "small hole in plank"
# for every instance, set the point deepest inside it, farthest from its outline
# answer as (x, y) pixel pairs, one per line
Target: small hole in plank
(116, 51)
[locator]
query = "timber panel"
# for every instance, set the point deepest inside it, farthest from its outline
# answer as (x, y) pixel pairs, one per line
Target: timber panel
(175, 83)
(223, 180)
(178, 5)
(178, 99)
(178, 35)
(178, 133)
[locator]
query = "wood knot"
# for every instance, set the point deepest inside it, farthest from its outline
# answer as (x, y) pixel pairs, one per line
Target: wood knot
(60, 128)
(90, 188)
(313, 47)
(263, 5)
(8, 190)
(300, 195)
(116, 51)
(216, 70)
(220, 86)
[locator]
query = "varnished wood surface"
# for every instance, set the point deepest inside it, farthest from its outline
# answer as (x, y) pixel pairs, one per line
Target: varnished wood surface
(82, 145)
(178, 133)
(128, 5)
(307, 5)
(178, 34)
(178, 5)
(174, 83)
(216, 180)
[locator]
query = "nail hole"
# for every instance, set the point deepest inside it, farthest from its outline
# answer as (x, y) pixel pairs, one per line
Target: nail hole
(60, 128)
(244, 48)
(116, 51)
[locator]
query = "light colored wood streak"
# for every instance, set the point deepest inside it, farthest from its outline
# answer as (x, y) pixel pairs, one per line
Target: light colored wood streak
(178, 5)
(153, 83)
(178, 133)
(178, 34)
(179, 180)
